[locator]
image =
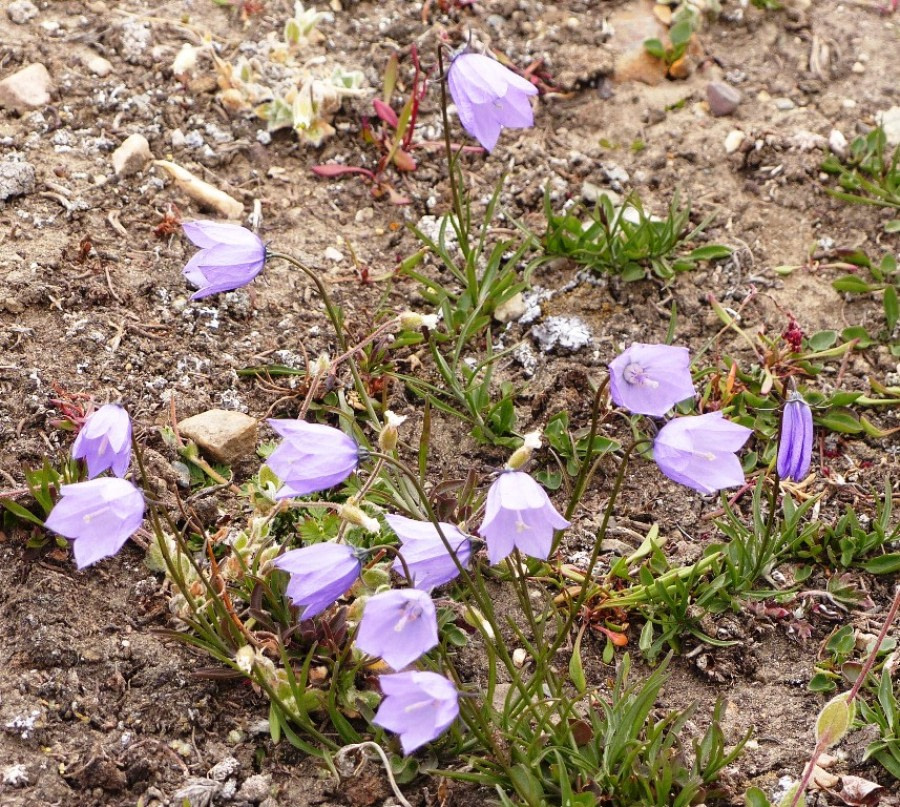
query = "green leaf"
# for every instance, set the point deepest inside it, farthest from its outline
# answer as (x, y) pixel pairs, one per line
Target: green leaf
(841, 422)
(834, 720)
(883, 564)
(20, 512)
(860, 334)
(655, 48)
(680, 33)
(892, 226)
(576, 669)
(821, 682)
(822, 340)
(853, 284)
(891, 307)
(754, 797)
(709, 253)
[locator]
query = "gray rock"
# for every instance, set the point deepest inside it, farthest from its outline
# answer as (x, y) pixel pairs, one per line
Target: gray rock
(723, 98)
(16, 179)
(26, 89)
(890, 122)
(565, 333)
(132, 156)
(784, 104)
(221, 434)
(21, 11)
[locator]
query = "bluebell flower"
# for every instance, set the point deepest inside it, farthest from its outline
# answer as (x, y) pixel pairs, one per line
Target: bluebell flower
(426, 555)
(320, 574)
(796, 439)
(398, 626)
(419, 706)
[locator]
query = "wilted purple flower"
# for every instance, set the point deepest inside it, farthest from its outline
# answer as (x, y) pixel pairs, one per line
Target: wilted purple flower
(311, 457)
(518, 514)
(426, 555)
(105, 441)
(796, 439)
(230, 257)
(651, 379)
(398, 626)
(698, 451)
(489, 96)
(419, 706)
(99, 516)
(320, 574)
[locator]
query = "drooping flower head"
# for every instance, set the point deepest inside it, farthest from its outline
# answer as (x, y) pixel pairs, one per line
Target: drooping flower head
(312, 457)
(796, 439)
(419, 706)
(105, 441)
(488, 97)
(651, 379)
(230, 257)
(426, 555)
(99, 515)
(320, 574)
(518, 514)
(398, 626)
(699, 451)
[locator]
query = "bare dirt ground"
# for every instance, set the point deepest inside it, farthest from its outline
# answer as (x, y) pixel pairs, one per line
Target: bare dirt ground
(98, 710)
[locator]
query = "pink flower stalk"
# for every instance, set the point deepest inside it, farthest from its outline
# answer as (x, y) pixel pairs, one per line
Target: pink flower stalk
(99, 516)
(651, 379)
(519, 515)
(419, 706)
(320, 574)
(398, 626)
(230, 257)
(488, 97)
(796, 439)
(312, 457)
(426, 555)
(104, 441)
(699, 451)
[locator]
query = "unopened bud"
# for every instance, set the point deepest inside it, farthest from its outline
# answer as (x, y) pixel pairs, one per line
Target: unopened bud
(354, 515)
(320, 366)
(245, 657)
(411, 321)
(523, 453)
(387, 439)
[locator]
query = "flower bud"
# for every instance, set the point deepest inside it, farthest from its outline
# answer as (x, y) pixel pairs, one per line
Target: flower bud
(387, 439)
(522, 454)
(795, 440)
(411, 321)
(354, 514)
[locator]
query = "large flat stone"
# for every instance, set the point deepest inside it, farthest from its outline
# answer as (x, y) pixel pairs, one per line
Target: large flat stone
(223, 435)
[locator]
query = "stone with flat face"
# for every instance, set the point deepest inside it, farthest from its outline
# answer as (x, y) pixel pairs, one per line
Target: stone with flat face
(223, 435)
